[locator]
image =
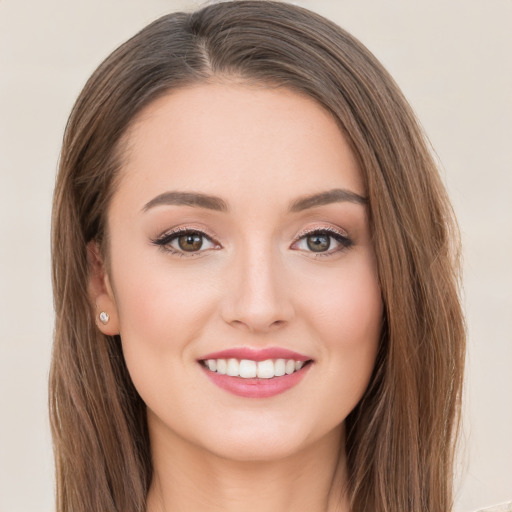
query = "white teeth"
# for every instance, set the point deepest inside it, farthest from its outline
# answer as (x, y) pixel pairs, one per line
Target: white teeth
(248, 369)
(280, 367)
(233, 368)
(222, 366)
(266, 369)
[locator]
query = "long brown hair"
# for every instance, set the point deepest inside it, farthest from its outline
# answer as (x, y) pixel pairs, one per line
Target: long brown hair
(400, 437)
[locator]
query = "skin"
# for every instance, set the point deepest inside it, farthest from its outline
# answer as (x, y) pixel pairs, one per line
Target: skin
(254, 282)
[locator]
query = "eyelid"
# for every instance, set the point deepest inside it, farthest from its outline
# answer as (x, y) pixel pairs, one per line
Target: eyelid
(323, 229)
(187, 229)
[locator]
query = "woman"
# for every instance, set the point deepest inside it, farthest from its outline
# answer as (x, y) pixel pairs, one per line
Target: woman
(255, 274)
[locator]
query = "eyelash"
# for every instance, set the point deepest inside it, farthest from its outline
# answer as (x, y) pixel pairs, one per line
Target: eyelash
(343, 240)
(164, 241)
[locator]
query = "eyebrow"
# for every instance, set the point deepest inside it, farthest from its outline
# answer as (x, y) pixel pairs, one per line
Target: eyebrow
(337, 195)
(193, 199)
(198, 200)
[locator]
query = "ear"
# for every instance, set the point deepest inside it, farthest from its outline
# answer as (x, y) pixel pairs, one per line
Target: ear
(101, 293)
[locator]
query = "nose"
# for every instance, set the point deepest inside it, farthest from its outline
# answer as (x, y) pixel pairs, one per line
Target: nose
(257, 297)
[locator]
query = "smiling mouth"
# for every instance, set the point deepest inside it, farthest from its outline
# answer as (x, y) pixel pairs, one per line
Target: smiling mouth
(250, 369)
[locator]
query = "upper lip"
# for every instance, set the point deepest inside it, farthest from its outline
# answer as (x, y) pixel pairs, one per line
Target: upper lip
(255, 354)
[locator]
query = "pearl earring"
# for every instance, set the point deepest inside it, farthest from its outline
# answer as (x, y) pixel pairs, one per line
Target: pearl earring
(104, 318)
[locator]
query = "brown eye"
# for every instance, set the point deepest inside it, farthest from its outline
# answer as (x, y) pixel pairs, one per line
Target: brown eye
(318, 242)
(322, 242)
(190, 242)
(185, 242)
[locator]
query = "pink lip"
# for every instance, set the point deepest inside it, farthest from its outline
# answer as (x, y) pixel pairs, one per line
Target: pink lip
(256, 388)
(256, 354)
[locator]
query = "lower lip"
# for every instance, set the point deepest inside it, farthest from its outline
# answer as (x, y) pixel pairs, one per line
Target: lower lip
(256, 388)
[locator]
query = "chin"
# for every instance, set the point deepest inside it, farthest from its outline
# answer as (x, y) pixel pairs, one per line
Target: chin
(265, 441)
(261, 449)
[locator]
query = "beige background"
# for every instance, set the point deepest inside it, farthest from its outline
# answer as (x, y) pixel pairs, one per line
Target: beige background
(453, 60)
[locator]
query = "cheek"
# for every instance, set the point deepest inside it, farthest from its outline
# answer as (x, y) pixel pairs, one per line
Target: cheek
(162, 311)
(347, 320)
(158, 298)
(349, 309)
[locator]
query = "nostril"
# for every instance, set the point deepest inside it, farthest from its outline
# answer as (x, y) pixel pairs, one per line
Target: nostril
(254, 326)
(239, 323)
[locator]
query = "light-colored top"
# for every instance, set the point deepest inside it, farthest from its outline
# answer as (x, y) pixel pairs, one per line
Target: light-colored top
(504, 507)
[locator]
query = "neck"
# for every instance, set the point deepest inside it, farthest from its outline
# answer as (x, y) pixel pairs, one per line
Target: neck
(188, 478)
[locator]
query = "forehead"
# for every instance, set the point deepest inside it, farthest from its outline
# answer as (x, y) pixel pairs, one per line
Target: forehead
(228, 138)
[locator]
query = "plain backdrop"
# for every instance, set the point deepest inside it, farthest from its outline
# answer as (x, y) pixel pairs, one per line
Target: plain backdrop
(452, 60)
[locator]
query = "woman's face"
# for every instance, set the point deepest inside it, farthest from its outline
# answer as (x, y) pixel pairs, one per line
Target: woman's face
(239, 232)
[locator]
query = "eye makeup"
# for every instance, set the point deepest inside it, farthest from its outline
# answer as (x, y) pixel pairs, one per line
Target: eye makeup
(186, 242)
(319, 241)
(190, 242)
